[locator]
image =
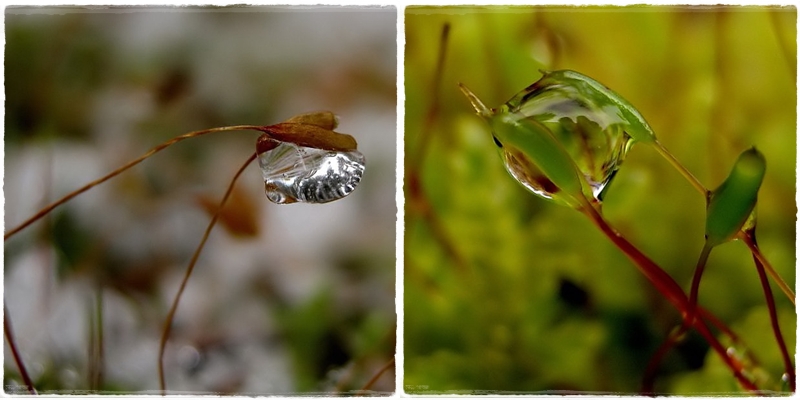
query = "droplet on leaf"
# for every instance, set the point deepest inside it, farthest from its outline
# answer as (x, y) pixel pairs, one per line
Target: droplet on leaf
(295, 173)
(591, 124)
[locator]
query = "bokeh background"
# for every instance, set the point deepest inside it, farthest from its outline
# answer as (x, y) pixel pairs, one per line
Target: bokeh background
(284, 299)
(506, 292)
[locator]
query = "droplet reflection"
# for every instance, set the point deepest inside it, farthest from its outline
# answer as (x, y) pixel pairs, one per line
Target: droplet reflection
(594, 133)
(294, 173)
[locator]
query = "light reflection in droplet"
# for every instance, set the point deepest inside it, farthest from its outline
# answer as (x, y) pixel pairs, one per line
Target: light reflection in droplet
(594, 135)
(293, 173)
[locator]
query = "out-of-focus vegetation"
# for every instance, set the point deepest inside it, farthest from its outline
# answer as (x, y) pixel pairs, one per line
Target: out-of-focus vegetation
(284, 299)
(505, 291)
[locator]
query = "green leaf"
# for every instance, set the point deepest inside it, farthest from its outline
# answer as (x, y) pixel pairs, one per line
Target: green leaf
(527, 143)
(592, 95)
(730, 205)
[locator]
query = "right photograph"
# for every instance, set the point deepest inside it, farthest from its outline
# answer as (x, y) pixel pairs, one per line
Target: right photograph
(600, 200)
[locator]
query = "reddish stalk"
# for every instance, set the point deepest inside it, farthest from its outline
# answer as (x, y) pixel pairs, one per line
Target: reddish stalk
(171, 315)
(668, 287)
(14, 352)
(377, 375)
(750, 241)
(703, 191)
(773, 315)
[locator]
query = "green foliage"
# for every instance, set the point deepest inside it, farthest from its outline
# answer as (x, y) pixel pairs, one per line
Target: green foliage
(485, 261)
(731, 204)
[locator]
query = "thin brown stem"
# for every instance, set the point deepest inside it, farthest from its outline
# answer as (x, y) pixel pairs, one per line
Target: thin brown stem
(15, 352)
(377, 375)
(44, 211)
(171, 315)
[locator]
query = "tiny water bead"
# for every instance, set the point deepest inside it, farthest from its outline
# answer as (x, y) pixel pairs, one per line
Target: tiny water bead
(295, 173)
(592, 125)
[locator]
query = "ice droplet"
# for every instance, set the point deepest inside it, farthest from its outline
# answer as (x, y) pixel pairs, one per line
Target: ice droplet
(294, 173)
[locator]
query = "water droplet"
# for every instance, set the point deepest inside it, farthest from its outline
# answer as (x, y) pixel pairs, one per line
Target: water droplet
(572, 114)
(294, 173)
(593, 130)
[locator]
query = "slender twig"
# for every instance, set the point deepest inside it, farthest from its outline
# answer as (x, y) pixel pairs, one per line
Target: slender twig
(680, 168)
(668, 287)
(99, 360)
(377, 375)
(171, 315)
(649, 377)
(698, 274)
(750, 242)
(162, 146)
(14, 352)
(773, 316)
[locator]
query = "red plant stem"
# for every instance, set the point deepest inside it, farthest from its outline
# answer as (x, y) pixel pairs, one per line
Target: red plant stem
(648, 381)
(749, 240)
(171, 315)
(773, 314)
(377, 375)
(668, 287)
(14, 352)
(695, 289)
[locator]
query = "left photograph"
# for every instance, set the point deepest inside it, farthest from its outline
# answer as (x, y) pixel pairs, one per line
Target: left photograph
(200, 200)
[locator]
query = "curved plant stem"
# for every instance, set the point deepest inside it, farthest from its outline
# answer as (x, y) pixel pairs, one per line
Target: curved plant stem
(773, 316)
(749, 240)
(702, 190)
(648, 381)
(377, 375)
(668, 287)
(698, 273)
(14, 352)
(46, 210)
(171, 315)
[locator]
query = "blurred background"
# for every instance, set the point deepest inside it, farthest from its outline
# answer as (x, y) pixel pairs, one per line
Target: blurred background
(284, 299)
(507, 292)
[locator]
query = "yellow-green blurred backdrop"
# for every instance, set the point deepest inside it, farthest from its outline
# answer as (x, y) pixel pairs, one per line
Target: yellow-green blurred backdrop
(507, 292)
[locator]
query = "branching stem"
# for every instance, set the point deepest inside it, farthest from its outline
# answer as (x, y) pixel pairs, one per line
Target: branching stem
(668, 287)
(749, 240)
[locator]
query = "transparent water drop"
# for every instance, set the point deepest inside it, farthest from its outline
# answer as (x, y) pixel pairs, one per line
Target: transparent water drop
(593, 131)
(563, 123)
(295, 173)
